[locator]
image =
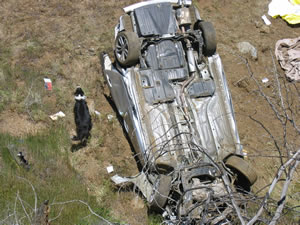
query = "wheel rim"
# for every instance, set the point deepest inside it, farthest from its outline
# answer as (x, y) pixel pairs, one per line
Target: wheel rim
(122, 48)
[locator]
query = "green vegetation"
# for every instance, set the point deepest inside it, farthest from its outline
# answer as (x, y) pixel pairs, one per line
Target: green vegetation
(155, 219)
(51, 175)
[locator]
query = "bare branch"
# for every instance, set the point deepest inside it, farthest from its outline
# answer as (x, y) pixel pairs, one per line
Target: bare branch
(33, 189)
(275, 180)
(24, 209)
(84, 203)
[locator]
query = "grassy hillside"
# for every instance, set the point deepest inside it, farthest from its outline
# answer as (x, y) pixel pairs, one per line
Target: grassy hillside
(52, 177)
(61, 40)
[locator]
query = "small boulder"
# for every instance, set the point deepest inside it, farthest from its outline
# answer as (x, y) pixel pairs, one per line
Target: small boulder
(247, 49)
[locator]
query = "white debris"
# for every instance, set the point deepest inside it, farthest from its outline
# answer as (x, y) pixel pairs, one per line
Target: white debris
(110, 117)
(265, 80)
(110, 169)
(97, 113)
(245, 153)
(141, 181)
(119, 180)
(266, 20)
(55, 116)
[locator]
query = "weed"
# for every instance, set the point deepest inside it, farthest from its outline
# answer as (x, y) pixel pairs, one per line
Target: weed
(154, 219)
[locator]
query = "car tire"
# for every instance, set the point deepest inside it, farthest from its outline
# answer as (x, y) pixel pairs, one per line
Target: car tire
(161, 193)
(127, 48)
(243, 169)
(209, 37)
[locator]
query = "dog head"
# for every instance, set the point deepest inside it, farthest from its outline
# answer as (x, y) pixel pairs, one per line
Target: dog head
(79, 94)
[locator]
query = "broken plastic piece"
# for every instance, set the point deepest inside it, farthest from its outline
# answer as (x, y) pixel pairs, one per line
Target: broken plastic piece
(57, 115)
(110, 117)
(265, 80)
(140, 181)
(266, 20)
(48, 84)
(110, 169)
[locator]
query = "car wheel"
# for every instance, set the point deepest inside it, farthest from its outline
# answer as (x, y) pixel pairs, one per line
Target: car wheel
(161, 193)
(246, 176)
(209, 36)
(127, 48)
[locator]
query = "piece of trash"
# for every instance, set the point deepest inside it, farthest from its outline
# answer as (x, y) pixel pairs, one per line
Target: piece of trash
(119, 180)
(110, 169)
(97, 113)
(48, 84)
(288, 55)
(110, 117)
(289, 10)
(140, 180)
(266, 20)
(245, 153)
(57, 115)
(265, 80)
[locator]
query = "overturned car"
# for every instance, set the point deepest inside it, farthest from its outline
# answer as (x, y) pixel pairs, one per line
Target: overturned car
(168, 85)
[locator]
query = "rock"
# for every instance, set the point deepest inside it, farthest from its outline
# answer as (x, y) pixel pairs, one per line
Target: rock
(246, 48)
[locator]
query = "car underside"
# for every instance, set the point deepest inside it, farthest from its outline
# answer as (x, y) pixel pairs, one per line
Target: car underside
(168, 85)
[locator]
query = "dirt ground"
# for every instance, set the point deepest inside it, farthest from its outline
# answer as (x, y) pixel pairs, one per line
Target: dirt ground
(72, 33)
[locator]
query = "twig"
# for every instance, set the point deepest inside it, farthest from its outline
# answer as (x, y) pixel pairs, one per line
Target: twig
(275, 180)
(33, 189)
(84, 203)
(59, 214)
(24, 209)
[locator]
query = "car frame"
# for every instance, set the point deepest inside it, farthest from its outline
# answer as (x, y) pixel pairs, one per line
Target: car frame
(169, 87)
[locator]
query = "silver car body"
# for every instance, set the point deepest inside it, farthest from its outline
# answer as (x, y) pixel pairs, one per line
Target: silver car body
(176, 109)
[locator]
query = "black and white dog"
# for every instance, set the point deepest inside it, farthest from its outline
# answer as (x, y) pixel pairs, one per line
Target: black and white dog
(82, 117)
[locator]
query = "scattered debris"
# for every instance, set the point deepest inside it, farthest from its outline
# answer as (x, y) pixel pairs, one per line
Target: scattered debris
(289, 10)
(139, 181)
(110, 117)
(97, 113)
(245, 153)
(265, 80)
(287, 52)
(110, 169)
(246, 48)
(266, 20)
(48, 84)
(55, 116)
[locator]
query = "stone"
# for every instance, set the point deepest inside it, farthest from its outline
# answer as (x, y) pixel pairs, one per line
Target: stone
(247, 49)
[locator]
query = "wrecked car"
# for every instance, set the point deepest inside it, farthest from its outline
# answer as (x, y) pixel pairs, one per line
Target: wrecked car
(168, 85)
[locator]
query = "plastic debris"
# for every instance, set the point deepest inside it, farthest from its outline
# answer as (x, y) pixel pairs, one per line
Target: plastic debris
(245, 153)
(97, 113)
(289, 10)
(110, 117)
(110, 169)
(141, 181)
(55, 116)
(265, 80)
(266, 20)
(48, 84)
